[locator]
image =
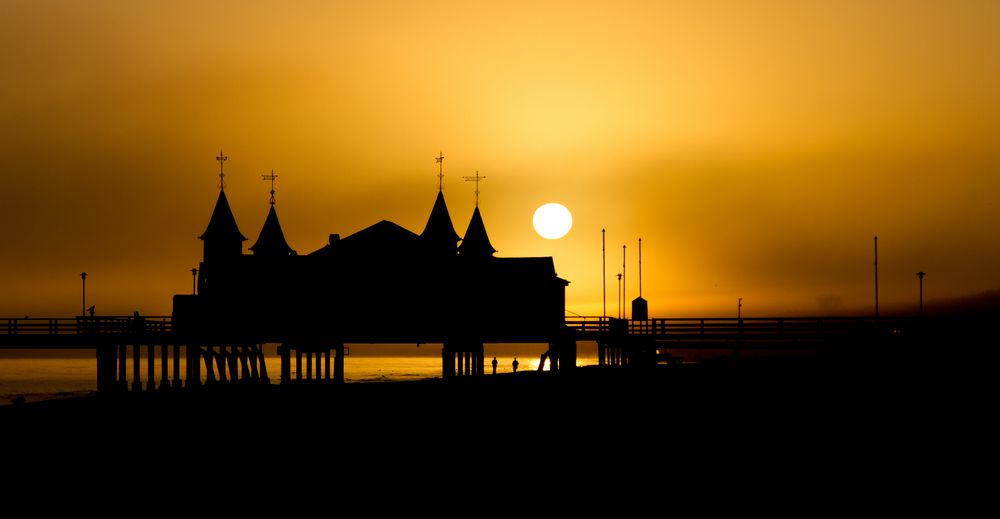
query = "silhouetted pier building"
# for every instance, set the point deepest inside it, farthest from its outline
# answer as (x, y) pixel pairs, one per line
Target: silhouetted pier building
(382, 284)
(386, 284)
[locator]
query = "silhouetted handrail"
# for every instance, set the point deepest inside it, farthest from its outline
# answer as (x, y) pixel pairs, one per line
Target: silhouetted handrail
(750, 328)
(85, 325)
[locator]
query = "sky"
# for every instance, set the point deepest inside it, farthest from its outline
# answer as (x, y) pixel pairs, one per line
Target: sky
(755, 147)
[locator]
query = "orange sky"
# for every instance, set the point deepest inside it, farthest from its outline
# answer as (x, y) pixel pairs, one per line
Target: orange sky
(756, 147)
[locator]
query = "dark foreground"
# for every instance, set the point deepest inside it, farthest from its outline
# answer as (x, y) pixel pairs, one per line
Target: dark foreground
(712, 424)
(652, 402)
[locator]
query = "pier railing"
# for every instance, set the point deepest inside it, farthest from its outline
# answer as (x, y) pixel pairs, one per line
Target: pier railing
(750, 328)
(85, 325)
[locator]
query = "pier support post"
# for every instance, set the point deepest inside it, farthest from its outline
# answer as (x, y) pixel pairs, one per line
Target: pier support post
(566, 353)
(105, 368)
(338, 364)
(193, 367)
(260, 363)
(194, 364)
(232, 356)
(298, 363)
(136, 362)
(480, 360)
(177, 366)
(220, 363)
(150, 367)
(447, 361)
(326, 363)
(244, 364)
(254, 370)
(122, 359)
(286, 363)
(309, 365)
(209, 364)
(164, 373)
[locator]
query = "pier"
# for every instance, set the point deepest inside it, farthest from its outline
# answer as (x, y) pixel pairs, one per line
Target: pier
(175, 360)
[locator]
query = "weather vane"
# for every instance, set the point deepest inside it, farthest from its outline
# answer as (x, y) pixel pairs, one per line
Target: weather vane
(440, 161)
(476, 179)
(270, 177)
(222, 175)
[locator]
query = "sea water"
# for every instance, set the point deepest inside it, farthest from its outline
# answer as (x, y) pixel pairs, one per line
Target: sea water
(75, 373)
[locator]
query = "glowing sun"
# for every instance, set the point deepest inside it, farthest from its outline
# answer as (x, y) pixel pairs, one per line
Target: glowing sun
(552, 221)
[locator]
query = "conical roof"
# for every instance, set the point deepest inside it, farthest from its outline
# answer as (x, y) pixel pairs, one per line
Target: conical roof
(271, 241)
(476, 241)
(222, 226)
(440, 232)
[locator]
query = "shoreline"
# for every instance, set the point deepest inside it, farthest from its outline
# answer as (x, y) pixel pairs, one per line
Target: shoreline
(776, 380)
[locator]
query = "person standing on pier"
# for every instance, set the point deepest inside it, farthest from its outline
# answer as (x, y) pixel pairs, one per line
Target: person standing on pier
(494, 364)
(514, 364)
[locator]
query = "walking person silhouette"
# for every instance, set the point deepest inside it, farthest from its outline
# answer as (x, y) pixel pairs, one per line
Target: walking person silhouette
(494, 364)
(515, 364)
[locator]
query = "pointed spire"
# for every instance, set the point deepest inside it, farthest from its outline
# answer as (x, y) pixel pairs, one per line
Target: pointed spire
(222, 237)
(271, 241)
(476, 242)
(440, 233)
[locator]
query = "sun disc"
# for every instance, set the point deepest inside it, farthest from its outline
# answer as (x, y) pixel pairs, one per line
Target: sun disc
(552, 221)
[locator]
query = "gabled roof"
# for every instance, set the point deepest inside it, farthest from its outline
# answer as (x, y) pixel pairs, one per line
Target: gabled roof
(222, 226)
(379, 237)
(476, 241)
(271, 241)
(439, 229)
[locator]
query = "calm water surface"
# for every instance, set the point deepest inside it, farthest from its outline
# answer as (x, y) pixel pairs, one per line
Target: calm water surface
(43, 378)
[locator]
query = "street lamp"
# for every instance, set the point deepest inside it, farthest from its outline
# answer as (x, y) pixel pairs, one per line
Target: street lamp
(83, 309)
(920, 276)
(739, 308)
(194, 281)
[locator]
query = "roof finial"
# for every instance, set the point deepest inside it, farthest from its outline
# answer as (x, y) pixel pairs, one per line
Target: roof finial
(222, 175)
(440, 161)
(270, 177)
(476, 179)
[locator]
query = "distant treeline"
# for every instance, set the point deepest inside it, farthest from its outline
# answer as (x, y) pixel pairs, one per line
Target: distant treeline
(983, 303)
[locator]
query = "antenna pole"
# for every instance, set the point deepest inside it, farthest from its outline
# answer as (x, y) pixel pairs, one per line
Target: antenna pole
(624, 287)
(921, 275)
(640, 267)
(876, 276)
(604, 275)
(619, 295)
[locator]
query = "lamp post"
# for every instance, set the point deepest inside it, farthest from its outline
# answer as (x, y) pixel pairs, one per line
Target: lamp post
(920, 276)
(739, 308)
(624, 287)
(83, 309)
(194, 281)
